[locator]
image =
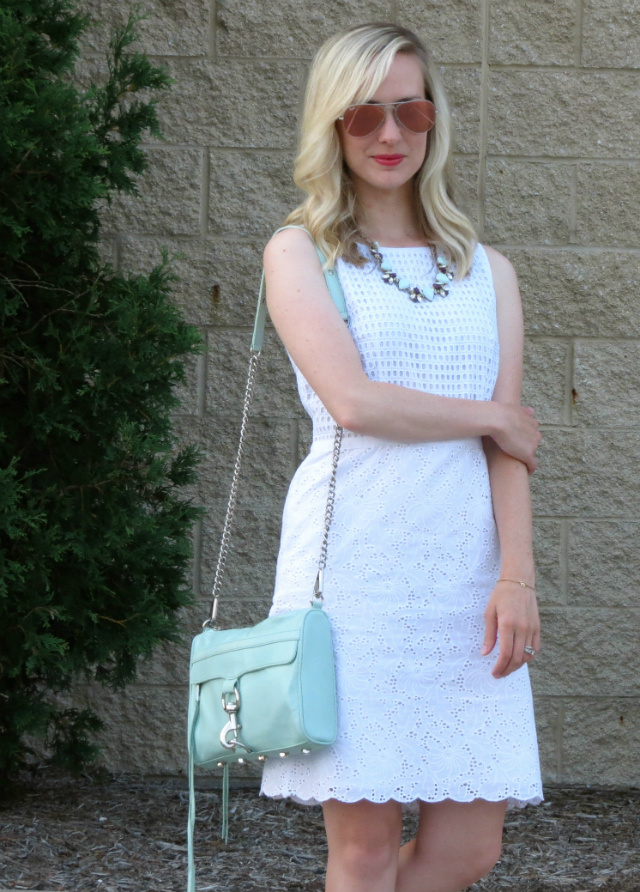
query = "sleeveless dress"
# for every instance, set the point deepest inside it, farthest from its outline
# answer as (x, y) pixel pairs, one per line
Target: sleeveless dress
(413, 557)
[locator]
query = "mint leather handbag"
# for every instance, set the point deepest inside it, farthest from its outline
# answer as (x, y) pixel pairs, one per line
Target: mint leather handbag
(267, 691)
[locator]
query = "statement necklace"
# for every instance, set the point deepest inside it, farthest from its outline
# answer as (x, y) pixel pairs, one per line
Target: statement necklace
(440, 287)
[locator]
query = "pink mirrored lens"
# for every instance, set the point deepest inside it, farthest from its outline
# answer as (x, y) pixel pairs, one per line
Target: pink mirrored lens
(419, 115)
(361, 120)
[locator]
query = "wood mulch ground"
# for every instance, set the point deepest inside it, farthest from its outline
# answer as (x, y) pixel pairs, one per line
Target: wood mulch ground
(112, 834)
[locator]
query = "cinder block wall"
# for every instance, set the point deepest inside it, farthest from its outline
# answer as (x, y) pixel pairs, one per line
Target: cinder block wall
(545, 97)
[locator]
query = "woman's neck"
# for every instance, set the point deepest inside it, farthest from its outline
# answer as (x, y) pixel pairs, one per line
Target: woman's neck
(390, 219)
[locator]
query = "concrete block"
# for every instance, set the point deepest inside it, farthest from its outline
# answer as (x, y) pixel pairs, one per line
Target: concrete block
(168, 202)
(604, 563)
(250, 569)
(108, 247)
(267, 457)
(548, 552)
(275, 394)
(92, 71)
(305, 436)
(466, 185)
(192, 261)
(462, 87)
(543, 33)
(145, 727)
(251, 193)
(549, 719)
(546, 378)
(584, 114)
(234, 274)
(601, 741)
(451, 30)
(169, 664)
(607, 383)
(610, 35)
(607, 205)
(188, 391)
(295, 31)
(246, 104)
(587, 473)
(179, 28)
(217, 441)
(588, 652)
(527, 201)
(192, 616)
(572, 292)
(218, 280)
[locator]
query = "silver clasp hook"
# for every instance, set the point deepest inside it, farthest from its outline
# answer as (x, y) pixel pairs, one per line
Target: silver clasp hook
(317, 589)
(213, 613)
(231, 705)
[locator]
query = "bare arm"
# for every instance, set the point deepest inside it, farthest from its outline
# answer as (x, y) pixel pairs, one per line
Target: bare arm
(512, 611)
(323, 349)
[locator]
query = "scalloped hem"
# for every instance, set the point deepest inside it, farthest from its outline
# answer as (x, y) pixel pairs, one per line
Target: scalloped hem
(410, 805)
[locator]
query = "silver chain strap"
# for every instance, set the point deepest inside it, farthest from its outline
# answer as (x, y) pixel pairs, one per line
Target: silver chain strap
(328, 513)
(233, 497)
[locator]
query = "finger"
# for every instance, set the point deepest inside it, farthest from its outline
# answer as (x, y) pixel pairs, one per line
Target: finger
(517, 654)
(527, 656)
(504, 657)
(536, 642)
(490, 633)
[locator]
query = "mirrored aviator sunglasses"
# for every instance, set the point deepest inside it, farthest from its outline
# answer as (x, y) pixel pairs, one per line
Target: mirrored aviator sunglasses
(417, 115)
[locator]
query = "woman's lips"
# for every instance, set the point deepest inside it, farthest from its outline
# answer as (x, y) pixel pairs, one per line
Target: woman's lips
(388, 160)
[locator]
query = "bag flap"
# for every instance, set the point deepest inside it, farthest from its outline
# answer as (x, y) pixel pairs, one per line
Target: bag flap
(235, 659)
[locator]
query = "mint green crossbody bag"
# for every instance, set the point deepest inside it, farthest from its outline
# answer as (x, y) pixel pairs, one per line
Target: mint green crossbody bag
(267, 691)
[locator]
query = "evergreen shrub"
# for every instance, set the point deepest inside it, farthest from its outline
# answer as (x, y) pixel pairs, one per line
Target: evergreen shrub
(94, 528)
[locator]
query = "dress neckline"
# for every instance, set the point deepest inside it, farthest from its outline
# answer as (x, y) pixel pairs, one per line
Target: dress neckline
(405, 248)
(399, 247)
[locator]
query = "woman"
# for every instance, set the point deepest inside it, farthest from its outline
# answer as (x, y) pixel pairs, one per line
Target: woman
(430, 560)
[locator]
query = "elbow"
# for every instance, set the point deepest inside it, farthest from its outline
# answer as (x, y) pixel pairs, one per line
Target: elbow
(349, 413)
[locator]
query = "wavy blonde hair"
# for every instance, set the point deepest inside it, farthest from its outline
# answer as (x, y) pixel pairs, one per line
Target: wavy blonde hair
(348, 69)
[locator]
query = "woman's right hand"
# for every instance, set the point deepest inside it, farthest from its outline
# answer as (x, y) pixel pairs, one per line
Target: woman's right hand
(518, 434)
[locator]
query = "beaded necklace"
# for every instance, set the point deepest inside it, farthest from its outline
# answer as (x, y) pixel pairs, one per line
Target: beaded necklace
(440, 287)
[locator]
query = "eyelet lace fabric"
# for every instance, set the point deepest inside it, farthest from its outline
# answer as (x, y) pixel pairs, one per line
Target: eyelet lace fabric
(413, 557)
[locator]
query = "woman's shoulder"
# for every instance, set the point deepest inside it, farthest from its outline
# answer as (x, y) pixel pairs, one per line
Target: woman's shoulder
(505, 281)
(290, 254)
(295, 241)
(498, 262)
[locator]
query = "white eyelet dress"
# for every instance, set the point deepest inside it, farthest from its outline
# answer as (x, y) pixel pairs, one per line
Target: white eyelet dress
(413, 557)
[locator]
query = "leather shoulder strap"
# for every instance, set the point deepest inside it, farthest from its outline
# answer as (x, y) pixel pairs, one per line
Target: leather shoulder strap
(333, 284)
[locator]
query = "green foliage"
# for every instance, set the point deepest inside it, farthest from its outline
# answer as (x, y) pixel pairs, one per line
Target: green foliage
(94, 532)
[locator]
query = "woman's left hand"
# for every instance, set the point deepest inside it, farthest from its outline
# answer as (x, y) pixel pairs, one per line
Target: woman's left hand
(512, 618)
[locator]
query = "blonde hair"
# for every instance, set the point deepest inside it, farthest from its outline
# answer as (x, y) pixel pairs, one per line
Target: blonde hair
(348, 69)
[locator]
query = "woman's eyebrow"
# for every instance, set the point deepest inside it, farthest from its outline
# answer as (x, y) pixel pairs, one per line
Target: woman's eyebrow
(404, 99)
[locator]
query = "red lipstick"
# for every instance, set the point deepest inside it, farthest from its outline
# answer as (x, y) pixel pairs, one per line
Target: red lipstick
(388, 160)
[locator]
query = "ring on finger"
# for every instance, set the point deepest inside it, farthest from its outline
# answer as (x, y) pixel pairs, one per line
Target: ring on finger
(529, 650)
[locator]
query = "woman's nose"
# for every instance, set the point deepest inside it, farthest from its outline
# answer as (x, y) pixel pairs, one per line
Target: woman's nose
(389, 129)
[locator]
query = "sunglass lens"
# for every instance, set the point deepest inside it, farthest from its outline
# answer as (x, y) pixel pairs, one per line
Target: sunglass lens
(361, 120)
(418, 115)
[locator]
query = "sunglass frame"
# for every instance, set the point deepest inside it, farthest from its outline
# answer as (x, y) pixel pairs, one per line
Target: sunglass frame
(383, 106)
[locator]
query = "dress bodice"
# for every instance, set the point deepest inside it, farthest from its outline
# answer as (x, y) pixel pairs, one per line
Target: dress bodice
(447, 347)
